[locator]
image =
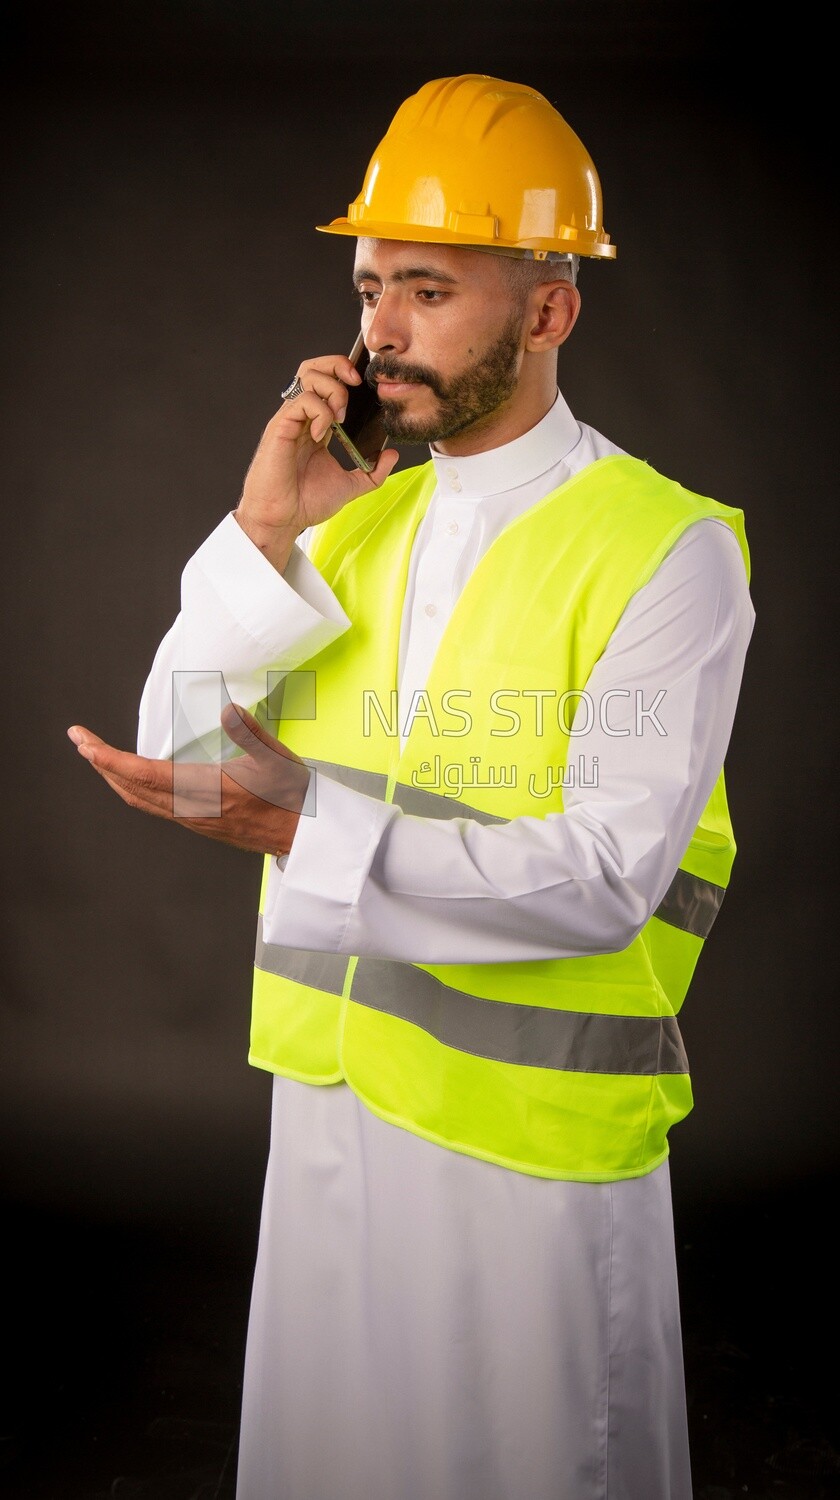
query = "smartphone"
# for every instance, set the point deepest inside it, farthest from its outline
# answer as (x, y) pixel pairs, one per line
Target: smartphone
(362, 433)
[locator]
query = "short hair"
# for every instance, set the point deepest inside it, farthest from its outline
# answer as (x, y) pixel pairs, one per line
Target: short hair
(521, 271)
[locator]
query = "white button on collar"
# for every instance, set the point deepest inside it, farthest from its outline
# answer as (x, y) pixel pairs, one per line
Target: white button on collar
(430, 610)
(452, 528)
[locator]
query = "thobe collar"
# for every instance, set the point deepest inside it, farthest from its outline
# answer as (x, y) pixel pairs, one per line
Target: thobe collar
(500, 470)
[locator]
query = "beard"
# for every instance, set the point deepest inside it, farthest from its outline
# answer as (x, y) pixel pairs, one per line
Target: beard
(463, 400)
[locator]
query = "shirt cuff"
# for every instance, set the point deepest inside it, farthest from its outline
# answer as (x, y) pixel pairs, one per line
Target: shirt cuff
(296, 605)
(309, 903)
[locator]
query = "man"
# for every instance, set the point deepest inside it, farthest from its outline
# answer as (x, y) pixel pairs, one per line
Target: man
(494, 846)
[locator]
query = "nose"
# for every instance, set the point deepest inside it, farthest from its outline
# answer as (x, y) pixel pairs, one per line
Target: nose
(383, 328)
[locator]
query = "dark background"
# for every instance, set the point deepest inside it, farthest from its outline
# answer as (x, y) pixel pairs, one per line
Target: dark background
(164, 166)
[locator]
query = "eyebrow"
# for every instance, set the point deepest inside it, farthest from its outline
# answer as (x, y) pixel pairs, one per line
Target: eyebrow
(412, 273)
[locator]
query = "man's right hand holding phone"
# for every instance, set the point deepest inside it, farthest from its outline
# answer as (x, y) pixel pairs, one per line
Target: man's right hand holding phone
(293, 481)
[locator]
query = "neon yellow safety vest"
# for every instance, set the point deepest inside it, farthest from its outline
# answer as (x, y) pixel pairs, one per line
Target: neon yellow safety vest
(569, 1068)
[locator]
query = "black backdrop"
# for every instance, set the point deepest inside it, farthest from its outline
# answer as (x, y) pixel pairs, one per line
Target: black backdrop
(165, 165)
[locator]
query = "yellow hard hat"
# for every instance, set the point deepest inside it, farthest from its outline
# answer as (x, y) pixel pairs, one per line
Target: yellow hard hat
(476, 161)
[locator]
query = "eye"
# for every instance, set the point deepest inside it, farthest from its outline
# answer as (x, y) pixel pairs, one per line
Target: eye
(365, 296)
(430, 294)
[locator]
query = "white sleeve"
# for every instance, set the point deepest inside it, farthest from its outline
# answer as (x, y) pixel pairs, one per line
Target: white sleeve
(363, 877)
(239, 619)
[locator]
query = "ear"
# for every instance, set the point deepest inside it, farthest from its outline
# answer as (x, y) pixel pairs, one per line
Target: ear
(553, 308)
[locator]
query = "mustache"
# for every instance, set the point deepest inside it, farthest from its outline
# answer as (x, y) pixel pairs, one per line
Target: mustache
(386, 367)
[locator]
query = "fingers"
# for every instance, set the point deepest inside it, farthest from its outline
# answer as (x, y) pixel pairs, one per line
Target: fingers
(333, 392)
(134, 794)
(336, 365)
(150, 785)
(328, 378)
(118, 761)
(378, 474)
(270, 771)
(305, 413)
(140, 781)
(82, 737)
(234, 717)
(251, 804)
(241, 727)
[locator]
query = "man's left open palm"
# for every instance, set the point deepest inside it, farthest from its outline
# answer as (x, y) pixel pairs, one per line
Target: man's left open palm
(253, 802)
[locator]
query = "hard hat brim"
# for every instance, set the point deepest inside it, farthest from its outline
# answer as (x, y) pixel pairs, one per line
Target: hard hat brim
(431, 234)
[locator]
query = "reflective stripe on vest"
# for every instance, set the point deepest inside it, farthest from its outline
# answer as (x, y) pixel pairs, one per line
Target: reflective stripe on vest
(532, 1036)
(690, 902)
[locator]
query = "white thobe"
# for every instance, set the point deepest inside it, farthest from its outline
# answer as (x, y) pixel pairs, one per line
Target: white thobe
(424, 1325)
